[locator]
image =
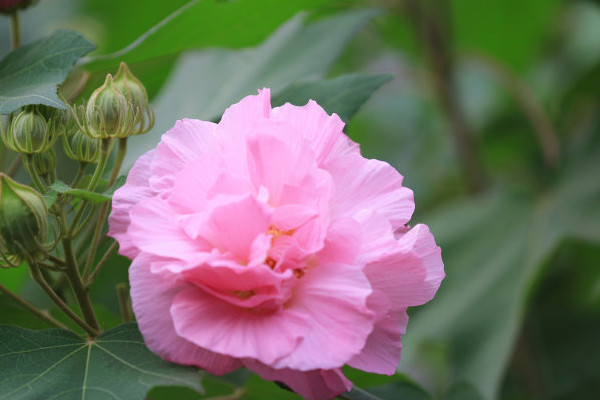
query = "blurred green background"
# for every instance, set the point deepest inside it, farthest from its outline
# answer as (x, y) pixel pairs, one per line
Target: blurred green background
(493, 116)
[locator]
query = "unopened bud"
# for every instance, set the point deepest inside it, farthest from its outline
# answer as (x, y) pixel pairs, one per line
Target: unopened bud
(137, 98)
(107, 113)
(28, 133)
(44, 163)
(23, 219)
(81, 147)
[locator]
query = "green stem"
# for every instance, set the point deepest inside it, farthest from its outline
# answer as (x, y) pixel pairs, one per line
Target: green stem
(124, 302)
(118, 161)
(34, 176)
(44, 315)
(15, 31)
(79, 176)
(72, 272)
(37, 276)
(100, 264)
(95, 241)
(105, 153)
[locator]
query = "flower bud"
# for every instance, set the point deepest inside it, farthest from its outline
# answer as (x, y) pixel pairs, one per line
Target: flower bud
(28, 132)
(23, 219)
(81, 147)
(9, 6)
(137, 99)
(44, 163)
(107, 113)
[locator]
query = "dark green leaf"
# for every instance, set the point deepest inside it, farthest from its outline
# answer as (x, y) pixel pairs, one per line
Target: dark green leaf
(343, 95)
(32, 73)
(494, 249)
(59, 364)
(463, 391)
(198, 24)
(206, 83)
(359, 394)
(62, 187)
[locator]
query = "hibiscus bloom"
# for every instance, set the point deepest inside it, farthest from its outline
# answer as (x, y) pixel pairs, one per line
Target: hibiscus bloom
(268, 241)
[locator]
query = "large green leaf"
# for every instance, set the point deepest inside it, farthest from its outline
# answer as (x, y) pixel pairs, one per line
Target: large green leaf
(343, 95)
(152, 44)
(32, 73)
(199, 23)
(59, 364)
(494, 249)
(206, 83)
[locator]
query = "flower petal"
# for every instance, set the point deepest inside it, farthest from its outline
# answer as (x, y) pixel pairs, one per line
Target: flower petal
(214, 324)
(132, 192)
(381, 353)
(411, 275)
(315, 125)
(152, 296)
(317, 384)
(362, 184)
(333, 298)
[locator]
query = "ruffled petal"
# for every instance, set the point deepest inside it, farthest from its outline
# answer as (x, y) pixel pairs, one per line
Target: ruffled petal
(152, 296)
(362, 184)
(224, 328)
(381, 353)
(317, 384)
(333, 298)
(187, 140)
(154, 229)
(132, 192)
(411, 275)
(315, 125)
(238, 117)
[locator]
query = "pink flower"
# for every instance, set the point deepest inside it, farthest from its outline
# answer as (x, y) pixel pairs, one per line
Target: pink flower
(268, 241)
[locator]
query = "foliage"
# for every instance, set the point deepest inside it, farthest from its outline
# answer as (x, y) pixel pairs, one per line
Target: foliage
(517, 316)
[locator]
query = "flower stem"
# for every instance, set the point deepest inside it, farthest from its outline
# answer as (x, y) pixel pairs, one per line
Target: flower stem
(105, 153)
(79, 176)
(72, 272)
(118, 161)
(37, 276)
(124, 302)
(44, 315)
(100, 264)
(15, 31)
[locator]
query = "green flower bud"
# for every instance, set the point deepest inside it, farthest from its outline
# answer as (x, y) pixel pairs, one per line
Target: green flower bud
(81, 147)
(23, 220)
(107, 113)
(28, 132)
(137, 99)
(44, 163)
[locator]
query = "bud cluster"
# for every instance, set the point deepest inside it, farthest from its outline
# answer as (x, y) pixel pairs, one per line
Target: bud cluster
(118, 109)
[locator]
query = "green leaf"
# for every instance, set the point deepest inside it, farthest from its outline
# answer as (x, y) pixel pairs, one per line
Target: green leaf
(462, 391)
(190, 25)
(359, 394)
(342, 95)
(494, 249)
(59, 364)
(197, 24)
(61, 187)
(32, 73)
(206, 83)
